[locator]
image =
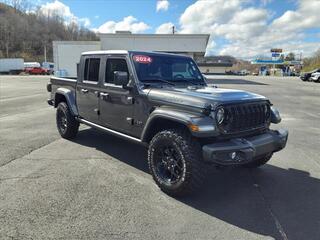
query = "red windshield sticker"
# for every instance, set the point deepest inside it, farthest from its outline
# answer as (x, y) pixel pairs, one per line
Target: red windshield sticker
(142, 59)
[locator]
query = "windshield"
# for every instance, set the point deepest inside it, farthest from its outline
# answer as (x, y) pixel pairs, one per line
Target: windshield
(164, 69)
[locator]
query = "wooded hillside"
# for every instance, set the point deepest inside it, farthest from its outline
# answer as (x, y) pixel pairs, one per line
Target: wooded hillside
(312, 63)
(27, 34)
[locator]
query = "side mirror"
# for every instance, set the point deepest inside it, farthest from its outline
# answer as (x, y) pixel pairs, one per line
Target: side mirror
(120, 78)
(204, 77)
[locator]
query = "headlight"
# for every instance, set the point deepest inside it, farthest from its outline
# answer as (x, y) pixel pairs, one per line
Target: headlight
(275, 115)
(220, 115)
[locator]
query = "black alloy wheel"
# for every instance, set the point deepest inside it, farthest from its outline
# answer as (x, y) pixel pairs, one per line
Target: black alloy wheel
(67, 125)
(169, 164)
(175, 162)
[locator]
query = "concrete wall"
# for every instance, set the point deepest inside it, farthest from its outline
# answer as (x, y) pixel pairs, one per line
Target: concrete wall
(66, 54)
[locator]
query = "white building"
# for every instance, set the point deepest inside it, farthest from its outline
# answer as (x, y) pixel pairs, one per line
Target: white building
(188, 44)
(66, 54)
(215, 68)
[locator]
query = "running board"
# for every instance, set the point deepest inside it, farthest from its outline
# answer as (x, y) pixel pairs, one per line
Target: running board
(108, 130)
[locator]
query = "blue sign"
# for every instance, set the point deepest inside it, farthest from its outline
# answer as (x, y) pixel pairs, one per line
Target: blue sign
(276, 62)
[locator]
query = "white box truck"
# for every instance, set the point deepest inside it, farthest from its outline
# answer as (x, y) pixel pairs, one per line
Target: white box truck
(11, 65)
(66, 55)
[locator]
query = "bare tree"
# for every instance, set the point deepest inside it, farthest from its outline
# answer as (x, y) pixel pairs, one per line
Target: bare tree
(25, 33)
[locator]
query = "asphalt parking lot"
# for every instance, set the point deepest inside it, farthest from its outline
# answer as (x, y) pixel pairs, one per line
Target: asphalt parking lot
(98, 186)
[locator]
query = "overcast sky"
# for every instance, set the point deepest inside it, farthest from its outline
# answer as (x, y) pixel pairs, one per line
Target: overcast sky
(242, 28)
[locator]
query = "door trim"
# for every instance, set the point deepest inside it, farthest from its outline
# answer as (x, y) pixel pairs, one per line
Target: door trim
(91, 124)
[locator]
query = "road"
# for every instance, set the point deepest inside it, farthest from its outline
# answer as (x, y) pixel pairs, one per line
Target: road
(98, 186)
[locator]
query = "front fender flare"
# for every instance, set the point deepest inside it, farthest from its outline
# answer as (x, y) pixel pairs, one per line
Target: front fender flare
(205, 123)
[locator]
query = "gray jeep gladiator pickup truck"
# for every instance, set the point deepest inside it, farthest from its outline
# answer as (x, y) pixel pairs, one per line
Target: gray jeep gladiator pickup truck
(163, 101)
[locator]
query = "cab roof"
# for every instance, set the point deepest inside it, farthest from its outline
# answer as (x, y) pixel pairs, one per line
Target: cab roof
(105, 52)
(124, 52)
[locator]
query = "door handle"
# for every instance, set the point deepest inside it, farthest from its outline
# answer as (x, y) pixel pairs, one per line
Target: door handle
(84, 90)
(130, 100)
(104, 96)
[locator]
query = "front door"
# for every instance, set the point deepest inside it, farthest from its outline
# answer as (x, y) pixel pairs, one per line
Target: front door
(116, 103)
(88, 89)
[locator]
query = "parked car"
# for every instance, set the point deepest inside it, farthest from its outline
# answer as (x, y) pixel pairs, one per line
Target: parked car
(307, 75)
(244, 72)
(163, 102)
(37, 71)
(315, 77)
(49, 66)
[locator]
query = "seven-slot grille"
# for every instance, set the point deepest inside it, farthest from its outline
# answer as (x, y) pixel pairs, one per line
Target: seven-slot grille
(245, 117)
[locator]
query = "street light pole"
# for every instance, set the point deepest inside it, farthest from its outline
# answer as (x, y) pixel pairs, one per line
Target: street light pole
(45, 52)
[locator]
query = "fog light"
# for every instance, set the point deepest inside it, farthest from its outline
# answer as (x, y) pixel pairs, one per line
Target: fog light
(233, 155)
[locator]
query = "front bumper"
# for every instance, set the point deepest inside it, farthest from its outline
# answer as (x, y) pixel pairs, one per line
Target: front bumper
(243, 150)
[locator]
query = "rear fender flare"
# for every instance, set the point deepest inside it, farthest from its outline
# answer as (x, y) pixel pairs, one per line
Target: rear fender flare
(70, 98)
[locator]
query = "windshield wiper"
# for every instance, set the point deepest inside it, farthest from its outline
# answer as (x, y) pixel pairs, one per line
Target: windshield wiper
(187, 80)
(157, 80)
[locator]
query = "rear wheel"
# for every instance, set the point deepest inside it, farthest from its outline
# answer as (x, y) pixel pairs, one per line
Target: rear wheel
(174, 159)
(259, 162)
(67, 125)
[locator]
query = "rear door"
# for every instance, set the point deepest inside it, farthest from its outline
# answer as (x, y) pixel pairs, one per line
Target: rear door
(116, 102)
(88, 88)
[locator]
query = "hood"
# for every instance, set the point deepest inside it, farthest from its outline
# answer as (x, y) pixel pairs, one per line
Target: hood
(201, 97)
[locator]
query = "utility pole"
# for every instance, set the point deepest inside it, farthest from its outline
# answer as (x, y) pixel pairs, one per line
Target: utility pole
(45, 52)
(7, 49)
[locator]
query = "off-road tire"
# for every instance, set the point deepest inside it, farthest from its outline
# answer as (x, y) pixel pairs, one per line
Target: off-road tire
(71, 126)
(189, 152)
(259, 162)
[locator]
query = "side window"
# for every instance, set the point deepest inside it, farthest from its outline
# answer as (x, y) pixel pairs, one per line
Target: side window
(91, 69)
(115, 65)
(86, 67)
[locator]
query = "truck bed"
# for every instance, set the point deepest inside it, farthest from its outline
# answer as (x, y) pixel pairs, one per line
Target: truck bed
(65, 83)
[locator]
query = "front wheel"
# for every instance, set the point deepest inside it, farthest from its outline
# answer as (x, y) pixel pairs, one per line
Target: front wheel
(67, 125)
(175, 162)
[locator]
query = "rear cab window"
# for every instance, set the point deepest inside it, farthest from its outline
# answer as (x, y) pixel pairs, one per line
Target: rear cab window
(91, 70)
